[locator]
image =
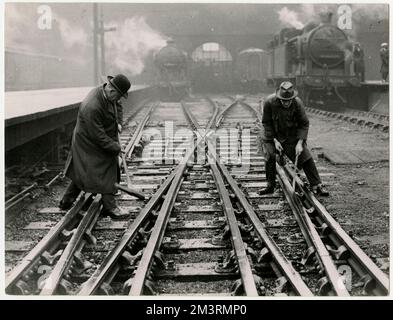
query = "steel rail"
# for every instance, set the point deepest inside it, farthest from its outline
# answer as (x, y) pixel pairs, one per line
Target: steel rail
(282, 262)
(382, 279)
(256, 112)
(13, 204)
(157, 233)
(215, 113)
(357, 253)
(62, 265)
(220, 116)
(29, 261)
(352, 118)
(59, 175)
(32, 257)
(291, 274)
(194, 123)
(137, 109)
(303, 288)
(106, 268)
(99, 276)
(322, 253)
(245, 270)
(138, 132)
(10, 201)
(301, 223)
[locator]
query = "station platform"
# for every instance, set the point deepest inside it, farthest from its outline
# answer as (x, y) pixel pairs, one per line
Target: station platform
(29, 103)
(377, 94)
(33, 113)
(39, 103)
(375, 83)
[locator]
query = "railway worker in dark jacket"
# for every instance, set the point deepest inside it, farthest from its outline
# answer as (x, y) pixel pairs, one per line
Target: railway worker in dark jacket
(95, 146)
(358, 61)
(384, 52)
(285, 125)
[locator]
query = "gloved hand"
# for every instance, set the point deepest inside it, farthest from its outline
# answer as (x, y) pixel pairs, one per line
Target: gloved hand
(278, 146)
(299, 148)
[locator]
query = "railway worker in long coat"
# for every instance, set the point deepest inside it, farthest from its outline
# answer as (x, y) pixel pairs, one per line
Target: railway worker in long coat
(358, 61)
(285, 125)
(384, 52)
(95, 146)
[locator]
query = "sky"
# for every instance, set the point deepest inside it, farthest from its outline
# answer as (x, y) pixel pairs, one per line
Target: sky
(144, 28)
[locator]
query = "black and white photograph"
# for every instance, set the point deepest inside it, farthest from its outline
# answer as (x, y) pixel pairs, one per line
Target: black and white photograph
(211, 150)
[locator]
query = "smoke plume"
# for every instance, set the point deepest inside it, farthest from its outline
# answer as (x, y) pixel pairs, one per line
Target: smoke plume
(71, 34)
(131, 43)
(290, 18)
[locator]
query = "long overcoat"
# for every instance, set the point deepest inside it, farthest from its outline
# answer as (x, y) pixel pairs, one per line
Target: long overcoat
(95, 147)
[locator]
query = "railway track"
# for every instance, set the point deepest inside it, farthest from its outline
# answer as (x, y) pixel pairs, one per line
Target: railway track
(203, 229)
(366, 119)
(324, 238)
(360, 118)
(40, 177)
(82, 238)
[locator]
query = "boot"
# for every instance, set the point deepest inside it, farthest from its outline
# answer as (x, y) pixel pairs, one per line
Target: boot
(115, 213)
(65, 205)
(320, 190)
(267, 190)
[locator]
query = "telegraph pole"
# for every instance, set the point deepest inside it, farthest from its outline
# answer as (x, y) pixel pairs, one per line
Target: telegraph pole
(95, 44)
(102, 34)
(99, 44)
(102, 38)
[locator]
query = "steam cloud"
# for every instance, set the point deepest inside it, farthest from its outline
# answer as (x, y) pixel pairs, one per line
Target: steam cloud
(71, 35)
(131, 43)
(22, 30)
(126, 48)
(289, 17)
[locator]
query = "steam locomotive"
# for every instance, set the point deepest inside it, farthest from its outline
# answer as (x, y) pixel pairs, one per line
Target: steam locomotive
(172, 78)
(251, 65)
(317, 60)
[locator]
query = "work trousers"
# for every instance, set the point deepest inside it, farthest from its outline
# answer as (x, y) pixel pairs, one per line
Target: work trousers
(72, 192)
(305, 162)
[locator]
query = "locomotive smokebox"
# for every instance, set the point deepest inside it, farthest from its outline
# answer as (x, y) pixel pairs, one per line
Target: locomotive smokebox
(326, 17)
(171, 79)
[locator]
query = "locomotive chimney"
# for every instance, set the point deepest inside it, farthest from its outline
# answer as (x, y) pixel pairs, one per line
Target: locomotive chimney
(170, 42)
(326, 17)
